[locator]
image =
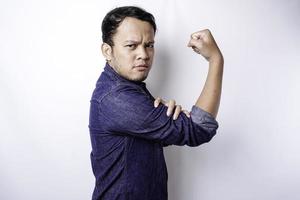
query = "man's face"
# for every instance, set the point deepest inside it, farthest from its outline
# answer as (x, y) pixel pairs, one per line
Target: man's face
(133, 50)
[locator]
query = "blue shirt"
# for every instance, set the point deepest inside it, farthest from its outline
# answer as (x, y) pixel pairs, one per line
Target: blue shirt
(128, 135)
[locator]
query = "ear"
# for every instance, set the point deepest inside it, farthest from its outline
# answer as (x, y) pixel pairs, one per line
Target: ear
(106, 51)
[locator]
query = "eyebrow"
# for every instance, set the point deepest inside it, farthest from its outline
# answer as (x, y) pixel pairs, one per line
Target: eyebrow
(134, 41)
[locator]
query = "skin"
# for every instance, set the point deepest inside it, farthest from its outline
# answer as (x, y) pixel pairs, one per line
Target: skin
(132, 56)
(203, 43)
(133, 46)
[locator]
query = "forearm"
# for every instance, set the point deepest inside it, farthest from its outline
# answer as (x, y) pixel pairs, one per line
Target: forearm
(209, 99)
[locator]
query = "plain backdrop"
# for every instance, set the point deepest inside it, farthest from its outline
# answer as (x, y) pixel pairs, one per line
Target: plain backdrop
(50, 60)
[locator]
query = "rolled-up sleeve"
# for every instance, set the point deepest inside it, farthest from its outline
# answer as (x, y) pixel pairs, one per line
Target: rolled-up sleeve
(129, 111)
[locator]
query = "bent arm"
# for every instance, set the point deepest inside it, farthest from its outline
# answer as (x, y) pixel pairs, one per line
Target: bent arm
(130, 111)
(203, 43)
(209, 99)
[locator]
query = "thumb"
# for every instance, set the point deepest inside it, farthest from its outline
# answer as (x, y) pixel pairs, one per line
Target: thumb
(192, 43)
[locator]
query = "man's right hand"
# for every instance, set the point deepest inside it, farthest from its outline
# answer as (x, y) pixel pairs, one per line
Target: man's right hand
(204, 43)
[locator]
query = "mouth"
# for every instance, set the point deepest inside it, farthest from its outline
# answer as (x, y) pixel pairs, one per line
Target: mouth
(142, 67)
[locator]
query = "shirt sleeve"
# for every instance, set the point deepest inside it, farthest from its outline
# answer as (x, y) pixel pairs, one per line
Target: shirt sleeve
(130, 111)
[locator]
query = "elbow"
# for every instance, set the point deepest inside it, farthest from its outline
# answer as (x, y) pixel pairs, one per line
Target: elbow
(202, 136)
(210, 131)
(210, 134)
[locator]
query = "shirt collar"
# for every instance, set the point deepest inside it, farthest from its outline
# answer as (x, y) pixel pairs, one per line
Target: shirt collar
(117, 76)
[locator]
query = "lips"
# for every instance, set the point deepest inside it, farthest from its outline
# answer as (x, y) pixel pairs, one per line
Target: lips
(142, 66)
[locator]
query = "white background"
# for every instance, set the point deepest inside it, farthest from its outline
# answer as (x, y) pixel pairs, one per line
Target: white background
(50, 60)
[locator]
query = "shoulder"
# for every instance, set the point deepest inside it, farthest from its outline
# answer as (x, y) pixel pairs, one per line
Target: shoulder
(108, 89)
(125, 92)
(125, 105)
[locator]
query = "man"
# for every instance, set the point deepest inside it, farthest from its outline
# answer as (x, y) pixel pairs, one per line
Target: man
(127, 132)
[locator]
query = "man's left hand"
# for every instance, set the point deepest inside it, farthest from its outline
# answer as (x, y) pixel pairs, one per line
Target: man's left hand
(171, 106)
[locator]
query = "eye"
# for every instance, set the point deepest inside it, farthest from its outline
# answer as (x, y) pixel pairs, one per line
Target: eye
(131, 46)
(150, 46)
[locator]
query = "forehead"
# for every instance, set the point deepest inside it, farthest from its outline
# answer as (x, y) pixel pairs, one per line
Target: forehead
(134, 29)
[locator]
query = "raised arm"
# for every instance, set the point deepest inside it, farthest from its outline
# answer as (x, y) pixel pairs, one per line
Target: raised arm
(204, 44)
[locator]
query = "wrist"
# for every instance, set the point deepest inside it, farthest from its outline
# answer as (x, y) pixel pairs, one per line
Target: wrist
(216, 58)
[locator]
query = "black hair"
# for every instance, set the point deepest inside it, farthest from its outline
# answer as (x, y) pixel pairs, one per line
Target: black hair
(114, 17)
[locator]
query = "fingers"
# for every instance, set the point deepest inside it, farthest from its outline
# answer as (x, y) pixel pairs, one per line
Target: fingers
(192, 42)
(178, 109)
(177, 112)
(187, 113)
(195, 43)
(198, 38)
(195, 38)
(200, 34)
(171, 105)
(157, 101)
(195, 49)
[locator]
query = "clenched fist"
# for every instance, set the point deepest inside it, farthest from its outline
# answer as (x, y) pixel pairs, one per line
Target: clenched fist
(203, 43)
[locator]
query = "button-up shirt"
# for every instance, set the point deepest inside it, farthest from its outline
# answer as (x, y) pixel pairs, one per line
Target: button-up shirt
(128, 135)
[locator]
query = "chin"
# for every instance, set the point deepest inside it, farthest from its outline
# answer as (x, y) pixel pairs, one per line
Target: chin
(139, 78)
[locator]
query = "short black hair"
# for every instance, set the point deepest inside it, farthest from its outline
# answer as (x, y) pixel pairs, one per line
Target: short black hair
(114, 17)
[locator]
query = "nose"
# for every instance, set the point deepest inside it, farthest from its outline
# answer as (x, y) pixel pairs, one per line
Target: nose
(143, 54)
